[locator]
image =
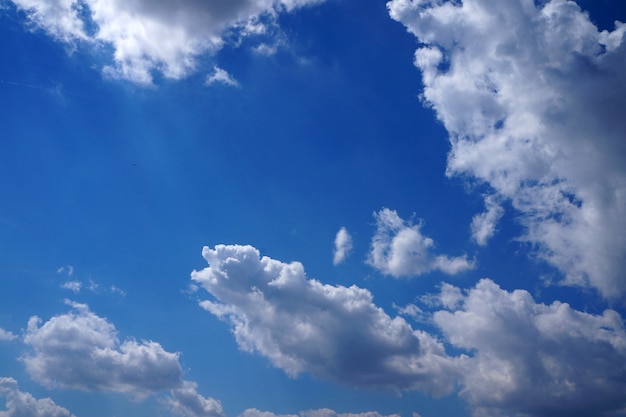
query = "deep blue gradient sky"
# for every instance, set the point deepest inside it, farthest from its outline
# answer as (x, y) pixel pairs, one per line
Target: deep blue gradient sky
(112, 184)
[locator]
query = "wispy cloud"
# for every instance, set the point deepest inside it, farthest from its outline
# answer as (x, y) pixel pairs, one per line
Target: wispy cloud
(69, 270)
(220, 76)
(343, 246)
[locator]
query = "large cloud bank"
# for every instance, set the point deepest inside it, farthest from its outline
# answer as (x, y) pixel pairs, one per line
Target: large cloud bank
(165, 36)
(521, 357)
(532, 95)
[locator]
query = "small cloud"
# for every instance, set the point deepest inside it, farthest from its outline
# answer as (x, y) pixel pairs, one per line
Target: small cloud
(343, 246)
(69, 270)
(400, 249)
(6, 335)
(410, 310)
(484, 224)
(117, 290)
(265, 49)
(74, 286)
(222, 77)
(185, 401)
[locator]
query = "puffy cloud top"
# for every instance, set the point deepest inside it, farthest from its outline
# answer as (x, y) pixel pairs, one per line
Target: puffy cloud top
(519, 357)
(534, 359)
(23, 404)
(333, 332)
(532, 96)
(81, 350)
(146, 36)
(400, 249)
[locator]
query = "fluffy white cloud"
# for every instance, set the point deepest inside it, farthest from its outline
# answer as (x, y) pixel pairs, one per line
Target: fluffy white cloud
(532, 359)
(522, 358)
(23, 404)
(147, 36)
(186, 402)
(399, 249)
(532, 96)
(333, 332)
(343, 246)
(81, 350)
(322, 412)
(7, 335)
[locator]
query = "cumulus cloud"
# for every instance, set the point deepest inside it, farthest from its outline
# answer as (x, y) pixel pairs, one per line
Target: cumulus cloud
(146, 36)
(532, 96)
(332, 332)
(399, 249)
(518, 357)
(322, 412)
(186, 402)
(532, 359)
(343, 246)
(7, 335)
(23, 404)
(81, 350)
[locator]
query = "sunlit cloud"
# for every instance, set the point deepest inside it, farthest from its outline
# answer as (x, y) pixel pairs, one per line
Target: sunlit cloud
(531, 95)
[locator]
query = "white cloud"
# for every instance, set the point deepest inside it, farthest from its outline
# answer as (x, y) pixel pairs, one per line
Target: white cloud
(522, 358)
(74, 286)
(333, 332)
(81, 350)
(186, 402)
(146, 36)
(534, 359)
(399, 249)
(322, 412)
(343, 246)
(7, 335)
(220, 76)
(484, 224)
(532, 96)
(23, 404)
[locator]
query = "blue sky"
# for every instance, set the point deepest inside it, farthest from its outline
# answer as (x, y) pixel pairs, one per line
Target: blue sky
(312, 208)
